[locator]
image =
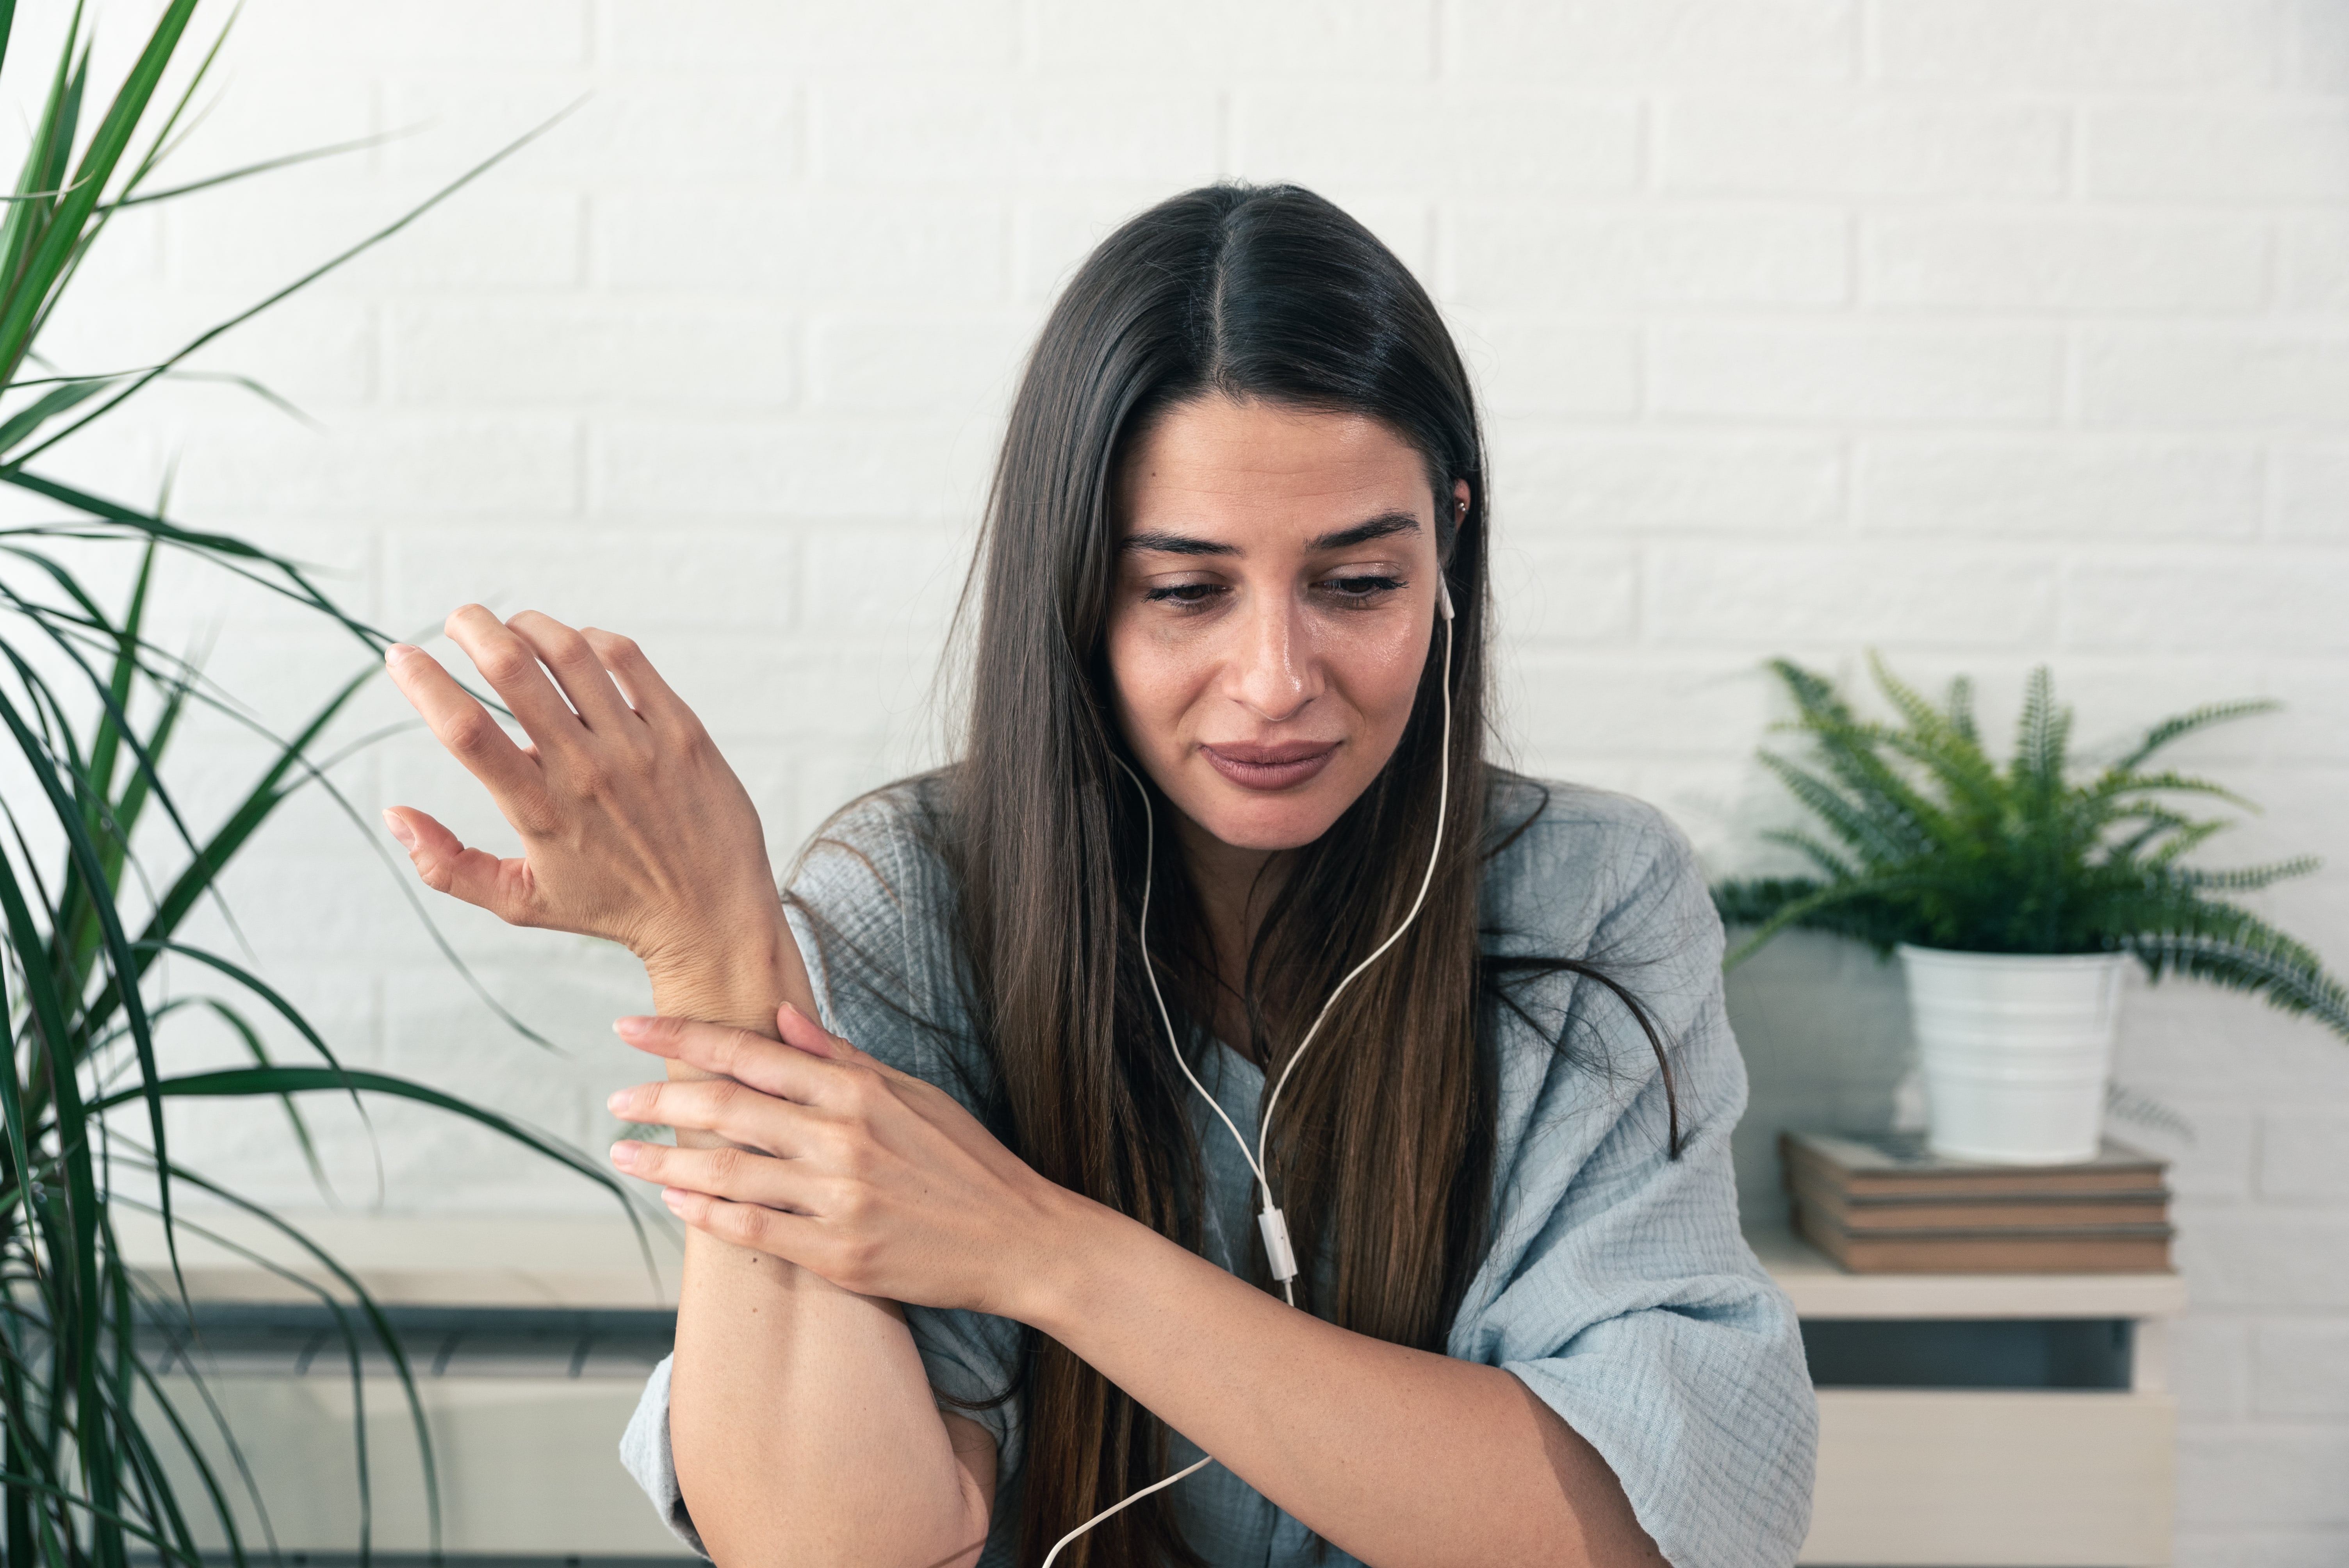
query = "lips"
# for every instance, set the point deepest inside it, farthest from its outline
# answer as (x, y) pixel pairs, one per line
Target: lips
(1282, 767)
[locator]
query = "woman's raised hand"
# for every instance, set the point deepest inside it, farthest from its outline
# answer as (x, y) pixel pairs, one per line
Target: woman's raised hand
(882, 1183)
(633, 828)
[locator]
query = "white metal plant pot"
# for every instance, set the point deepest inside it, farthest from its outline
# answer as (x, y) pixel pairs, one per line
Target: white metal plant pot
(2017, 1050)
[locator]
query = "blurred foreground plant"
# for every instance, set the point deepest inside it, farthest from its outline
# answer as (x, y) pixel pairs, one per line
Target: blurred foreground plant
(1937, 845)
(91, 706)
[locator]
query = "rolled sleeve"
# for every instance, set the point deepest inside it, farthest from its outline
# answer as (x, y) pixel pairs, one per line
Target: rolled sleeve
(645, 1453)
(1650, 1336)
(1620, 1289)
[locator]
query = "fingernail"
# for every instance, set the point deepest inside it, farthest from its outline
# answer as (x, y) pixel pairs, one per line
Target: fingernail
(675, 1198)
(397, 651)
(631, 1027)
(624, 1153)
(624, 1100)
(399, 829)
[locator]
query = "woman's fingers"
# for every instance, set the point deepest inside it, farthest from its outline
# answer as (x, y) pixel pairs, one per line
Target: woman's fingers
(632, 831)
(794, 1238)
(738, 1054)
(465, 728)
(734, 1111)
(736, 1174)
(803, 1033)
(511, 666)
(580, 673)
(446, 865)
(512, 776)
(641, 684)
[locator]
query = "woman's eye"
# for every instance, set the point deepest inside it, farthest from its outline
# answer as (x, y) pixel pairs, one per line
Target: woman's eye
(1361, 588)
(1184, 593)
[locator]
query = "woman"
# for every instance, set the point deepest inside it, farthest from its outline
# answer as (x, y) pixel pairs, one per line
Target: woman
(997, 1266)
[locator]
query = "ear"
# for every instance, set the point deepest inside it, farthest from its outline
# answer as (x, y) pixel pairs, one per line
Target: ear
(1460, 501)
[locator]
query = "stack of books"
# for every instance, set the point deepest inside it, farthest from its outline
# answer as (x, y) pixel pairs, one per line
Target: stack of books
(1884, 1203)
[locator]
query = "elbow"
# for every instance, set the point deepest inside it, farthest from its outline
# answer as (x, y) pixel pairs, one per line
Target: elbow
(858, 1555)
(959, 1553)
(781, 1535)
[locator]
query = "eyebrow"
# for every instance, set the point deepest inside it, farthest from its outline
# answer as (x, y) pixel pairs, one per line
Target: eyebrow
(1386, 525)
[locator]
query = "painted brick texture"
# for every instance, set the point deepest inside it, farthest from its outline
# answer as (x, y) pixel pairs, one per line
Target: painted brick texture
(1983, 331)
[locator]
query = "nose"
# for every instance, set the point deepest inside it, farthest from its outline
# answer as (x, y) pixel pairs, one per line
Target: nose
(1273, 672)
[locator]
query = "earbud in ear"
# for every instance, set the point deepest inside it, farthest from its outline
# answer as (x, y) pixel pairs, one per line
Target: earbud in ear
(1442, 596)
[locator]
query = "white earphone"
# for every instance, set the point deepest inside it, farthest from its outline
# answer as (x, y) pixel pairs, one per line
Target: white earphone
(1269, 1221)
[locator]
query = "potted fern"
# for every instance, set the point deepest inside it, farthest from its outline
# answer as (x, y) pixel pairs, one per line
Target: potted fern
(2015, 895)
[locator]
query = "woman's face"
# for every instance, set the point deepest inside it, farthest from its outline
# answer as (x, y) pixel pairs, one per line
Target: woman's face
(1276, 593)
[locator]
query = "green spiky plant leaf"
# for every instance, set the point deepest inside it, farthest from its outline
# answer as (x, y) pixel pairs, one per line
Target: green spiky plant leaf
(89, 1437)
(1923, 838)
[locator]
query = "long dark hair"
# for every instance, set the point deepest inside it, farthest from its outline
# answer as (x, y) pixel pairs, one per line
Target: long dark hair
(1383, 1151)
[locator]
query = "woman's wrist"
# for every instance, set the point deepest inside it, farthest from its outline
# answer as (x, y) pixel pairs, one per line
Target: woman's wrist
(733, 969)
(1084, 1252)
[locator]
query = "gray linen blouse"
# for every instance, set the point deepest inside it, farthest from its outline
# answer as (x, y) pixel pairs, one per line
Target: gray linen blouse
(1618, 1288)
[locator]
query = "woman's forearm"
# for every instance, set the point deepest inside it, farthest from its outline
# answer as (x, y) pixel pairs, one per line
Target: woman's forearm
(1398, 1456)
(800, 1419)
(803, 1426)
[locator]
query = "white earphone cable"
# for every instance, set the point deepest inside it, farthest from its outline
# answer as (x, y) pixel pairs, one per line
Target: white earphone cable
(1113, 1508)
(1427, 879)
(1149, 860)
(1275, 1226)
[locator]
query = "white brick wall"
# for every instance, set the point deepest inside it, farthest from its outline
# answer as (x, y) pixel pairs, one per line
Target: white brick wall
(1986, 331)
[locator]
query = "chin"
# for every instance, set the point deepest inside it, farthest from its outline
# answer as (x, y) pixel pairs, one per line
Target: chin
(1250, 822)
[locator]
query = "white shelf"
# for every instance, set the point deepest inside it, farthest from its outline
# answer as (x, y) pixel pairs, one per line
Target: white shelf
(437, 1260)
(519, 1260)
(1906, 1476)
(1988, 1479)
(1980, 1476)
(527, 1462)
(1818, 1288)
